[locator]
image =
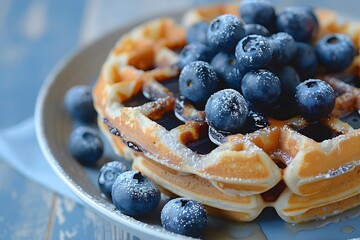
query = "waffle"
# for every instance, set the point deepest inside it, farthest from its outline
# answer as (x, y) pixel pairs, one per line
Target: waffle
(279, 166)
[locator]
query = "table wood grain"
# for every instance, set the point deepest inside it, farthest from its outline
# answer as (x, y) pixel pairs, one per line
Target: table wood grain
(30, 211)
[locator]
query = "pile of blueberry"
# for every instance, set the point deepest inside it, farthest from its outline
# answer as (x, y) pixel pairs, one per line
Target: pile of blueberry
(242, 70)
(131, 192)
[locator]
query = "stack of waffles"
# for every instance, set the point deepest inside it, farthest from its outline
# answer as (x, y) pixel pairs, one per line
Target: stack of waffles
(304, 171)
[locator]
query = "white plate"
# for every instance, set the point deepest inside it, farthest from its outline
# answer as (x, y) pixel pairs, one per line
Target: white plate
(53, 126)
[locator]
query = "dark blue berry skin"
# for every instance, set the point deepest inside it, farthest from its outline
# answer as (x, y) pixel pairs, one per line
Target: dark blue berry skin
(283, 110)
(289, 80)
(226, 111)
(312, 14)
(285, 106)
(253, 28)
(305, 61)
(78, 102)
(284, 48)
(261, 88)
(315, 99)
(254, 52)
(134, 194)
(197, 32)
(224, 32)
(228, 69)
(258, 11)
(184, 216)
(298, 22)
(85, 145)
(195, 52)
(197, 81)
(335, 52)
(108, 174)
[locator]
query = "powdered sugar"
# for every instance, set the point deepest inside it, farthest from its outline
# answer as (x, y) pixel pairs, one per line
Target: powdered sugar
(339, 171)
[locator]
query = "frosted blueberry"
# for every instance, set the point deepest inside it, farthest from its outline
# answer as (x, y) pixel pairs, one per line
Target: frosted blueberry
(108, 174)
(197, 81)
(224, 32)
(184, 216)
(134, 194)
(315, 99)
(226, 110)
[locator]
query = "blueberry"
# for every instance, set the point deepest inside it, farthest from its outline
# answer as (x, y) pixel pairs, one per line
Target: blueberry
(315, 99)
(184, 216)
(197, 81)
(226, 110)
(261, 88)
(194, 52)
(228, 69)
(284, 48)
(285, 107)
(253, 28)
(312, 14)
(134, 194)
(108, 174)
(224, 32)
(289, 80)
(85, 145)
(258, 11)
(305, 61)
(78, 102)
(254, 52)
(197, 32)
(283, 110)
(335, 52)
(298, 22)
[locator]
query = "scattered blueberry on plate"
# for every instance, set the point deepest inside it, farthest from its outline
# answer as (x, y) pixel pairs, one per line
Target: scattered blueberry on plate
(85, 145)
(79, 103)
(184, 216)
(108, 174)
(134, 194)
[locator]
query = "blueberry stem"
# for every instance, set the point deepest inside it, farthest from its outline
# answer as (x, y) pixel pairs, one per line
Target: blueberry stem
(183, 202)
(138, 176)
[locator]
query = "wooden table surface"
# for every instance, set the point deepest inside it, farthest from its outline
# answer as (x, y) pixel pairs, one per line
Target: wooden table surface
(34, 36)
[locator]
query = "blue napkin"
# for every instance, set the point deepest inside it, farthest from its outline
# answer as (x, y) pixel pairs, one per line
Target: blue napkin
(19, 147)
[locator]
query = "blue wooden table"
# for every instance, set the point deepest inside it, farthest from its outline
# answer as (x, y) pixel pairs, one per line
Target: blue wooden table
(34, 36)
